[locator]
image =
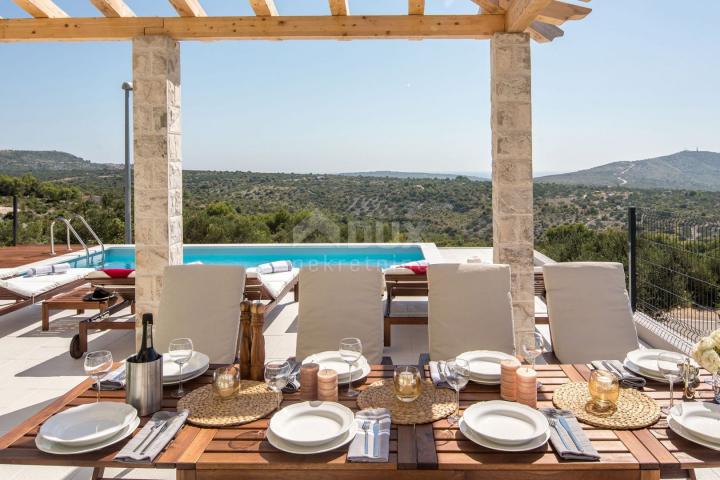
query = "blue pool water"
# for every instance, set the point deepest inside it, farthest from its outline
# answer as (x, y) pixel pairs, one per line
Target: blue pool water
(251, 256)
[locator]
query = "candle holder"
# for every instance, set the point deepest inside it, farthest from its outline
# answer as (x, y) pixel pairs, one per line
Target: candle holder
(604, 390)
(408, 385)
(690, 375)
(226, 382)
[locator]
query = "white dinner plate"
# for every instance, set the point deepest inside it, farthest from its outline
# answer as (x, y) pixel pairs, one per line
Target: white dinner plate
(312, 423)
(88, 424)
(506, 423)
(644, 373)
(646, 359)
(702, 419)
(486, 442)
(332, 360)
(683, 432)
(45, 445)
(199, 362)
(288, 447)
(485, 364)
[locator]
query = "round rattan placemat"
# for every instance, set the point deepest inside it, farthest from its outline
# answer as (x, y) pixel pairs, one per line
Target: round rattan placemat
(432, 404)
(254, 401)
(634, 409)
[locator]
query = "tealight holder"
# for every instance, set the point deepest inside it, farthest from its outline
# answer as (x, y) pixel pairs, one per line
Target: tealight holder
(604, 390)
(226, 382)
(407, 383)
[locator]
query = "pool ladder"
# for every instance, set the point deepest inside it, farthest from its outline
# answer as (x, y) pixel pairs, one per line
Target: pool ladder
(69, 229)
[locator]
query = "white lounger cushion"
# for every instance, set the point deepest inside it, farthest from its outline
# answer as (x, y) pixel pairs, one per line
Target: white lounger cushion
(201, 302)
(30, 287)
(469, 308)
(275, 283)
(340, 301)
(589, 311)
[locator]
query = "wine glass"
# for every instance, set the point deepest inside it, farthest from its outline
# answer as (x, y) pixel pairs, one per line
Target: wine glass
(350, 352)
(670, 366)
(457, 374)
(180, 351)
(277, 375)
(532, 349)
(96, 365)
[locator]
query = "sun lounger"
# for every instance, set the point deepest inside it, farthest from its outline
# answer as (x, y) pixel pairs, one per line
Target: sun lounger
(28, 290)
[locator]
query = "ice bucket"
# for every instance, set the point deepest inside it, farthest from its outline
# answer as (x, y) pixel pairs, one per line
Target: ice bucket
(144, 388)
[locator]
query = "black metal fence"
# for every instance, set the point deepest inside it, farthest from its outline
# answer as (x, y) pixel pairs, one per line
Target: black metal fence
(674, 270)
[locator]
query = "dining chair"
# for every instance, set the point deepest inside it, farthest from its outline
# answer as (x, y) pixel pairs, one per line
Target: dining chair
(589, 311)
(469, 308)
(340, 301)
(201, 302)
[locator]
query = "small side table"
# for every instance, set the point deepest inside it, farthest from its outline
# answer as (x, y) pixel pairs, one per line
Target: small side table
(73, 300)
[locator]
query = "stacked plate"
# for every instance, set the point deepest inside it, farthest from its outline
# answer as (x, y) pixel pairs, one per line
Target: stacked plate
(87, 428)
(505, 426)
(332, 360)
(644, 363)
(485, 365)
(198, 364)
(697, 422)
(311, 427)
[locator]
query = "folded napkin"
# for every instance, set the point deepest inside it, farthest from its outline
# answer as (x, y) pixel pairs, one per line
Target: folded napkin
(153, 438)
(567, 436)
(437, 375)
(294, 378)
(274, 267)
(373, 444)
(114, 380)
(627, 378)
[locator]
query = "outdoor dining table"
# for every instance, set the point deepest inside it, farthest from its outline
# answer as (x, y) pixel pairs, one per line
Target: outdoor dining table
(430, 451)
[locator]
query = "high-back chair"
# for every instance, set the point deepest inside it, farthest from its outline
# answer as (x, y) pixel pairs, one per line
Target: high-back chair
(340, 301)
(201, 302)
(470, 308)
(589, 311)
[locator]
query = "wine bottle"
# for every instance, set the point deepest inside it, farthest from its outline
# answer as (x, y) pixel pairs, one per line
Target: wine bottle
(147, 352)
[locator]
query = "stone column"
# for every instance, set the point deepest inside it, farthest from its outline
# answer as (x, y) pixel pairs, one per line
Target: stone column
(157, 165)
(512, 183)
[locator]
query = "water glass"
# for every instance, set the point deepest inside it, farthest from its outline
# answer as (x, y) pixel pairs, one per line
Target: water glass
(277, 375)
(533, 348)
(407, 382)
(670, 366)
(350, 351)
(457, 374)
(180, 351)
(96, 365)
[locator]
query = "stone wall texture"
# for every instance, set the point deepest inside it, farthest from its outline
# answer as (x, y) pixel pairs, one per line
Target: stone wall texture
(157, 164)
(512, 184)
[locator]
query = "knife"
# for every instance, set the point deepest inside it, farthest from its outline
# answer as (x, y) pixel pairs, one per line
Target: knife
(568, 429)
(376, 438)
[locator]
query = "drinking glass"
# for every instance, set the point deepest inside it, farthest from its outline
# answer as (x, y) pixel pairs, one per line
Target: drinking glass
(350, 352)
(408, 385)
(457, 374)
(96, 365)
(670, 366)
(277, 375)
(532, 349)
(180, 352)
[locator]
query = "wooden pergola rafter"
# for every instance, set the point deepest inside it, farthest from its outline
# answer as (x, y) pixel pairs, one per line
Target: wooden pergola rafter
(539, 18)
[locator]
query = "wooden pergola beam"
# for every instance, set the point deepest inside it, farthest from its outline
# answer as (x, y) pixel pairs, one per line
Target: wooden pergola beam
(339, 7)
(188, 8)
(543, 32)
(416, 7)
(113, 8)
(521, 13)
(264, 8)
(41, 8)
(255, 28)
(558, 13)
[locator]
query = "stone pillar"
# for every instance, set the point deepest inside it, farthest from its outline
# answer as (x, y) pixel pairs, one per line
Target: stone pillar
(512, 183)
(157, 165)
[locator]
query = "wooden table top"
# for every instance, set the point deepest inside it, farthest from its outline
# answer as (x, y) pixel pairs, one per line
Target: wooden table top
(435, 450)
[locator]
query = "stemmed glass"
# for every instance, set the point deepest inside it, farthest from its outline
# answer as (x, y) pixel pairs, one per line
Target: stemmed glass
(457, 374)
(670, 366)
(97, 364)
(277, 375)
(180, 352)
(350, 352)
(532, 349)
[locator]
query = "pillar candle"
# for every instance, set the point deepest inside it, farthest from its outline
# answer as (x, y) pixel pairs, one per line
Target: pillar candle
(508, 381)
(526, 385)
(327, 385)
(308, 381)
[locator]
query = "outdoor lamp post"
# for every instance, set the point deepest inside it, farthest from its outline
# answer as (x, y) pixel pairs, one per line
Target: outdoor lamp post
(127, 86)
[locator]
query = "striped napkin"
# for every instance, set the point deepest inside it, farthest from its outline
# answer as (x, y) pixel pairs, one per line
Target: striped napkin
(371, 445)
(567, 436)
(437, 375)
(157, 433)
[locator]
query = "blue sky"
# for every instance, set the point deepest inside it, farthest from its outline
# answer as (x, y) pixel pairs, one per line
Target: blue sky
(635, 79)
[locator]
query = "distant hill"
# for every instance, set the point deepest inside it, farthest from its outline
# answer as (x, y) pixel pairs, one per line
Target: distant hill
(15, 162)
(419, 175)
(686, 170)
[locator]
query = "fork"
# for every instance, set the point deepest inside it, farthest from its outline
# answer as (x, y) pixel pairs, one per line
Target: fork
(366, 428)
(554, 424)
(151, 436)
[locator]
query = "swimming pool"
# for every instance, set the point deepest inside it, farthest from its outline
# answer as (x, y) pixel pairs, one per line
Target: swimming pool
(381, 255)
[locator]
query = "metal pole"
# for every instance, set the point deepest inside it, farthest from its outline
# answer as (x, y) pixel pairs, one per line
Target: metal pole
(128, 175)
(632, 256)
(15, 220)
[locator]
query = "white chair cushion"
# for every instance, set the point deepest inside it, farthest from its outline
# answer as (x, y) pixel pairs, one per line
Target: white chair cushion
(470, 308)
(589, 311)
(201, 302)
(340, 301)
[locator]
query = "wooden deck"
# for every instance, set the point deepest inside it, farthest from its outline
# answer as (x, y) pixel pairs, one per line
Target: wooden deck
(24, 254)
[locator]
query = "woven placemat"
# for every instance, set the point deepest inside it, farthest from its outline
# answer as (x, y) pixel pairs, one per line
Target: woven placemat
(254, 401)
(634, 409)
(432, 404)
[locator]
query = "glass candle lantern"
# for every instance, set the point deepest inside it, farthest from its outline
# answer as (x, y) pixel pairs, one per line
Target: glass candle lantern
(226, 382)
(604, 390)
(408, 385)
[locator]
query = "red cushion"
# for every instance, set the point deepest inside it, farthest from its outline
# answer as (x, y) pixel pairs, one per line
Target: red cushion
(117, 272)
